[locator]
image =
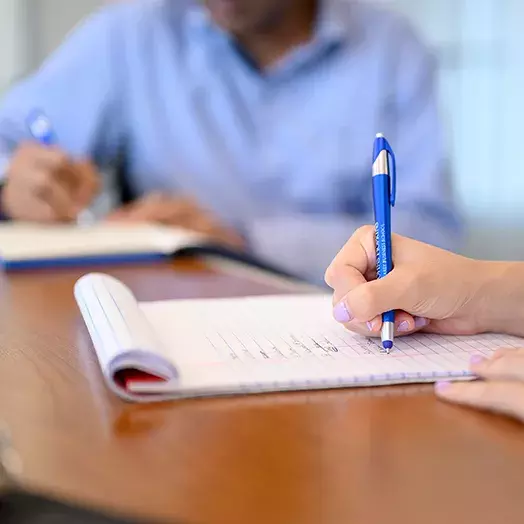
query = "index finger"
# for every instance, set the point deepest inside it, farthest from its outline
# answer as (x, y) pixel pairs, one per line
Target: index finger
(497, 396)
(506, 366)
(354, 264)
(50, 158)
(86, 182)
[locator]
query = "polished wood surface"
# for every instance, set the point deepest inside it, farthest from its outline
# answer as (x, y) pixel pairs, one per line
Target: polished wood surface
(362, 456)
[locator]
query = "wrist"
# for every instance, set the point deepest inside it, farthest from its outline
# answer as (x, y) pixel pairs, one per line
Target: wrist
(3, 212)
(501, 297)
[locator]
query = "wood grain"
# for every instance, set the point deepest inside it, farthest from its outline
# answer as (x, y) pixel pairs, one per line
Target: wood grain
(362, 456)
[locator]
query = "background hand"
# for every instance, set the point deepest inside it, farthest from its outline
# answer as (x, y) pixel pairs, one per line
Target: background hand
(501, 391)
(44, 185)
(431, 289)
(179, 212)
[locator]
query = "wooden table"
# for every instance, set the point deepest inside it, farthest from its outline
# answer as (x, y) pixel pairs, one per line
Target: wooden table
(384, 455)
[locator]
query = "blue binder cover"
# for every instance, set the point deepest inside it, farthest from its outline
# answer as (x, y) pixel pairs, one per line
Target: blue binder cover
(142, 258)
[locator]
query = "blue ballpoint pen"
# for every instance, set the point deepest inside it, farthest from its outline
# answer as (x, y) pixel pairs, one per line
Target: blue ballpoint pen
(384, 192)
(41, 130)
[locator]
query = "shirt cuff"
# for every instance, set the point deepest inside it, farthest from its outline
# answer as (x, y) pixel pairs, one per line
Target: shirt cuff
(4, 166)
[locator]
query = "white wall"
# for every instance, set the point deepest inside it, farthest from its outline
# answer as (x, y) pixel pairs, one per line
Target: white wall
(51, 20)
(480, 44)
(13, 42)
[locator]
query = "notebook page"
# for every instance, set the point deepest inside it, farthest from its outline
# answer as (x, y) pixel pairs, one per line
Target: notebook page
(292, 342)
(121, 335)
(21, 241)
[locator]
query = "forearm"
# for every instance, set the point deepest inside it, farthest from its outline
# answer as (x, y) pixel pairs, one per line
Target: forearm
(501, 297)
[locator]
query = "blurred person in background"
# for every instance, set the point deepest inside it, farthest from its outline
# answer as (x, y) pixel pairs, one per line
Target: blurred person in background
(251, 121)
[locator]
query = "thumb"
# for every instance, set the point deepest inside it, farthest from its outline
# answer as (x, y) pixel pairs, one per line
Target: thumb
(370, 299)
(88, 182)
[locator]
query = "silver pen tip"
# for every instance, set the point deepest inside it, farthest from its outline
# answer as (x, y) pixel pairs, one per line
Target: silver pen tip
(379, 135)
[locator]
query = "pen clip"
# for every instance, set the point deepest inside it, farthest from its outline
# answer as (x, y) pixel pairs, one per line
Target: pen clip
(393, 174)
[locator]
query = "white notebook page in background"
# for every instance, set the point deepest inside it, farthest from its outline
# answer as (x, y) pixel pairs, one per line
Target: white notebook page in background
(293, 339)
(26, 241)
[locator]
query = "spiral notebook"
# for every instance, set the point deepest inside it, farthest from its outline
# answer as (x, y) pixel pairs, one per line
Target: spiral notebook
(154, 351)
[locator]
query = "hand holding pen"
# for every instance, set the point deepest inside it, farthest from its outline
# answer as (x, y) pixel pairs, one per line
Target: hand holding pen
(44, 184)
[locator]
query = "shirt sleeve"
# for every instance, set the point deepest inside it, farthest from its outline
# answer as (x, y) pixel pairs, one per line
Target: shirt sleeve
(306, 243)
(78, 88)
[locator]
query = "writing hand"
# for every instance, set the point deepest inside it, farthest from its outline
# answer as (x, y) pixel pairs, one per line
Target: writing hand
(43, 184)
(179, 212)
(432, 289)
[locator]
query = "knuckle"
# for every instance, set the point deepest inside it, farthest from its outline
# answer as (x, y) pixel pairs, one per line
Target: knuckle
(26, 148)
(365, 231)
(500, 365)
(42, 183)
(483, 393)
(22, 161)
(365, 235)
(491, 395)
(42, 178)
(417, 278)
(509, 365)
(330, 276)
(357, 327)
(59, 160)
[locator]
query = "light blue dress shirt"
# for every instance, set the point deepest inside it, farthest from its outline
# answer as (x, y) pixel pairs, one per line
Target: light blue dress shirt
(283, 155)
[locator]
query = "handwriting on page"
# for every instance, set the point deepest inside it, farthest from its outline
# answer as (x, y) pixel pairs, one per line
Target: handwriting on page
(244, 347)
(298, 335)
(236, 346)
(247, 334)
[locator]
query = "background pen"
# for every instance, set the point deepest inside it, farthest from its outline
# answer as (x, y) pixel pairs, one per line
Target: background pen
(384, 189)
(41, 130)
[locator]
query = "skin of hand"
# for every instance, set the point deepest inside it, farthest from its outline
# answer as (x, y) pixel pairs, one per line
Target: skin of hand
(44, 185)
(179, 212)
(501, 388)
(431, 289)
(436, 291)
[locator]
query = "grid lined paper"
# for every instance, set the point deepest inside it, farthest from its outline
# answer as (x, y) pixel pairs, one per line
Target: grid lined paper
(276, 342)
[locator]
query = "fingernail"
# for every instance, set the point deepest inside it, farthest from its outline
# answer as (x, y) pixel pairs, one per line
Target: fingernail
(370, 326)
(341, 313)
(421, 322)
(403, 326)
(475, 360)
(442, 387)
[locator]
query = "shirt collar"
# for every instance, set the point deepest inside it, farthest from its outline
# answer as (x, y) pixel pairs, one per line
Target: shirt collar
(332, 26)
(198, 18)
